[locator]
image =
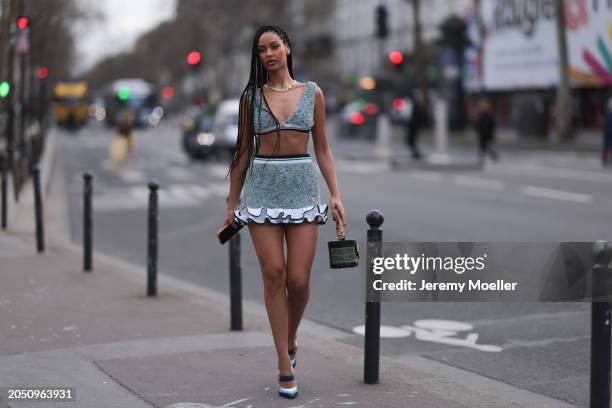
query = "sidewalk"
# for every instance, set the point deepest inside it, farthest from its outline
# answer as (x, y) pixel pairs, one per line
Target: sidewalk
(100, 333)
(587, 143)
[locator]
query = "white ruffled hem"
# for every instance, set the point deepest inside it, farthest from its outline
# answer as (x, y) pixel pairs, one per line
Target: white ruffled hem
(309, 214)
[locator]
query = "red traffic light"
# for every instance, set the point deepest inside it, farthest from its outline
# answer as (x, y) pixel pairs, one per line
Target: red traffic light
(396, 57)
(43, 72)
(357, 118)
(370, 109)
(399, 103)
(194, 58)
(23, 23)
(167, 92)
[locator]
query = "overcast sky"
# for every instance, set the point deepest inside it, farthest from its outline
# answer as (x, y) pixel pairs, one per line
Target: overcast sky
(124, 21)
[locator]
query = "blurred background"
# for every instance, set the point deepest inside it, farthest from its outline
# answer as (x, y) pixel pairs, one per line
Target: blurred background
(461, 120)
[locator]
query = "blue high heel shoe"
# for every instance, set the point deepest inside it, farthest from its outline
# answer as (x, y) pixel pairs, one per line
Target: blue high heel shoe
(292, 356)
(291, 392)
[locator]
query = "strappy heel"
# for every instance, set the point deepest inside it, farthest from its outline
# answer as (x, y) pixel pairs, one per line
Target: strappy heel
(285, 392)
(292, 354)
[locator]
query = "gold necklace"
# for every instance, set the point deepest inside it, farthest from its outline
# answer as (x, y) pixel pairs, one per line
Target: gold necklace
(290, 86)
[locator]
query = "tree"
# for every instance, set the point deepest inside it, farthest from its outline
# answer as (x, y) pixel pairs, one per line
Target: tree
(563, 114)
(419, 58)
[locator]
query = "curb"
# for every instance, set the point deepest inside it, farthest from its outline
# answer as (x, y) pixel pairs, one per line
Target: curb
(18, 221)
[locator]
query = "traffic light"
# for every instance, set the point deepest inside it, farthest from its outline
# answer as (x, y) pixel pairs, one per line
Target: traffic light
(396, 57)
(454, 33)
(5, 88)
(382, 29)
(168, 92)
(43, 72)
(194, 58)
(23, 23)
(123, 93)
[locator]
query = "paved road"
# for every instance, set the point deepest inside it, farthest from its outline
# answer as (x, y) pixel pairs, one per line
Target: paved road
(526, 197)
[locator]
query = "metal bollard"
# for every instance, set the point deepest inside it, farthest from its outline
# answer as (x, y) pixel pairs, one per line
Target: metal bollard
(4, 193)
(38, 212)
(152, 241)
(600, 326)
(87, 222)
(372, 312)
(235, 283)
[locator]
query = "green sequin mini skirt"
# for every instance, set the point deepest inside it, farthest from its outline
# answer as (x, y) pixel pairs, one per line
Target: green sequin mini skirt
(281, 190)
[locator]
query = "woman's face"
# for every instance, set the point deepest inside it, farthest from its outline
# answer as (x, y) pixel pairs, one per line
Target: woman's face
(272, 51)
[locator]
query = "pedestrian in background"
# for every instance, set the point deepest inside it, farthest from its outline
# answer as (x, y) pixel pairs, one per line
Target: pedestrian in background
(606, 150)
(122, 143)
(416, 122)
(485, 129)
(281, 202)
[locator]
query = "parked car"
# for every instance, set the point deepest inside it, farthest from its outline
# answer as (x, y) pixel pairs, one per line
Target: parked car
(358, 119)
(225, 125)
(198, 141)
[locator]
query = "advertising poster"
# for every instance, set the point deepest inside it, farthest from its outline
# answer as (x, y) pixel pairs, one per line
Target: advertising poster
(521, 49)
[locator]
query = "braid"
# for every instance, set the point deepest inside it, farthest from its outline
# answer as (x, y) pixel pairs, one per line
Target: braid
(258, 76)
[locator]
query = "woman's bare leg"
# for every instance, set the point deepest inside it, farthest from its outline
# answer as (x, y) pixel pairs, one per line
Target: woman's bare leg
(301, 248)
(268, 243)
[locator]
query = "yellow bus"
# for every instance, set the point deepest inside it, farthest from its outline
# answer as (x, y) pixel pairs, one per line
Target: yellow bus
(71, 102)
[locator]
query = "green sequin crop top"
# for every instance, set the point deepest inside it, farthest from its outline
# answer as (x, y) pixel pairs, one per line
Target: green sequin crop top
(301, 120)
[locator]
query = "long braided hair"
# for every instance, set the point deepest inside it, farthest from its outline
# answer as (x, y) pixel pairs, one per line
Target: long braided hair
(257, 78)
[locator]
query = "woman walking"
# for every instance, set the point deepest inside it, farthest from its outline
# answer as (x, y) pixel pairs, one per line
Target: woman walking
(485, 128)
(281, 201)
(123, 142)
(606, 149)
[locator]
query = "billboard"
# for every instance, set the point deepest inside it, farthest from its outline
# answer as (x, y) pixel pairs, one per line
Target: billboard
(521, 49)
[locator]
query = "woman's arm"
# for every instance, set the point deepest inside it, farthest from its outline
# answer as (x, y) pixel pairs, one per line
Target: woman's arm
(236, 181)
(324, 156)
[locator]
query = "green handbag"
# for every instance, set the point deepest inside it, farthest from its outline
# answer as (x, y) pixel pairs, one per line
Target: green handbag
(343, 252)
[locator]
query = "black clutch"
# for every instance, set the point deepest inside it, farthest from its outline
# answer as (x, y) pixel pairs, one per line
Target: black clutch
(343, 252)
(227, 232)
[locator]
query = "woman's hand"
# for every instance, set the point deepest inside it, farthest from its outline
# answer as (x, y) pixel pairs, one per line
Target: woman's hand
(337, 210)
(229, 216)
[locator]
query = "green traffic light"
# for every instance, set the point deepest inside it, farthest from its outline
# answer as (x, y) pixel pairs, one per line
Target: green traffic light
(5, 88)
(361, 103)
(123, 93)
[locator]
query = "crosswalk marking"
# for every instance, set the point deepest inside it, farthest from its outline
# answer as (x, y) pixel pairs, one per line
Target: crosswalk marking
(179, 173)
(556, 194)
(173, 196)
(218, 170)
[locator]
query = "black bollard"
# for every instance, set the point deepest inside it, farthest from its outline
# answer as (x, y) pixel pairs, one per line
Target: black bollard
(38, 212)
(372, 313)
(235, 283)
(87, 222)
(600, 326)
(4, 193)
(152, 241)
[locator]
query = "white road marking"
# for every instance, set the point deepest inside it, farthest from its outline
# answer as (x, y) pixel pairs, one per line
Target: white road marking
(221, 189)
(479, 183)
(436, 331)
(557, 172)
(179, 173)
(362, 168)
(218, 170)
(425, 175)
(132, 176)
(137, 197)
(556, 194)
